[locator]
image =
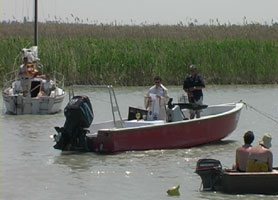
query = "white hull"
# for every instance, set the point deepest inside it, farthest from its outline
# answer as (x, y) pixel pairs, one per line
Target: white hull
(20, 105)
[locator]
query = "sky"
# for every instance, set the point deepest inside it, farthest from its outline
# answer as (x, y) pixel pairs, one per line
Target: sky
(164, 12)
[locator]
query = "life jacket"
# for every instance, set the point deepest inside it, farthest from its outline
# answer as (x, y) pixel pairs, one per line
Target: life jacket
(31, 69)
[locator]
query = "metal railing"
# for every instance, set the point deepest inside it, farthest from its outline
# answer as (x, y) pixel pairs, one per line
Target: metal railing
(11, 77)
(113, 100)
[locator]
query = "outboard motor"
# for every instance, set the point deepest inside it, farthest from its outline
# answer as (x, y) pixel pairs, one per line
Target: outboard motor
(210, 171)
(79, 116)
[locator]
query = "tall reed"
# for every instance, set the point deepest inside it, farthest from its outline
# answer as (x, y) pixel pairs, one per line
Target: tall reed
(132, 55)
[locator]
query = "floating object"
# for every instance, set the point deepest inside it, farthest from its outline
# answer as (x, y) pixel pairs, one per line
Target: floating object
(174, 191)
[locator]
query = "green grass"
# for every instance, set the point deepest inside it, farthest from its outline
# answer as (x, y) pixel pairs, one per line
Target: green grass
(133, 55)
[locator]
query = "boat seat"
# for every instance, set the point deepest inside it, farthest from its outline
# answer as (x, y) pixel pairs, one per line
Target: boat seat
(175, 114)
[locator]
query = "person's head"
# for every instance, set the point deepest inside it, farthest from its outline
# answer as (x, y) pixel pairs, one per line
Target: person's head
(157, 80)
(248, 137)
(266, 140)
(47, 77)
(25, 60)
(192, 69)
(39, 68)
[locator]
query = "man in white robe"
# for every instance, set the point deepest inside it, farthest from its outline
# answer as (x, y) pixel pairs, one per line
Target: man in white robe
(156, 101)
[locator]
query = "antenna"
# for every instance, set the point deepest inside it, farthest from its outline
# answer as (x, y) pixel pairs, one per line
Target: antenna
(36, 24)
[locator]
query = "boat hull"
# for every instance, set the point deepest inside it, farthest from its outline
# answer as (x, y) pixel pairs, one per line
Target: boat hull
(19, 105)
(214, 178)
(173, 135)
(249, 183)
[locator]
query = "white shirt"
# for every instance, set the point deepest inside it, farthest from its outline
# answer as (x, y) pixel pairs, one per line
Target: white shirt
(47, 86)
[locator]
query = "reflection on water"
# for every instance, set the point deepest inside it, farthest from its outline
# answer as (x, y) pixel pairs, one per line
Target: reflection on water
(37, 171)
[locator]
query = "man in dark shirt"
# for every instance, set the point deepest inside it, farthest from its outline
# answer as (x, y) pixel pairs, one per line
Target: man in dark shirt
(193, 85)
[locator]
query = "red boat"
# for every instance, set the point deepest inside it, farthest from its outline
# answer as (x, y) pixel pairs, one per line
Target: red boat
(216, 123)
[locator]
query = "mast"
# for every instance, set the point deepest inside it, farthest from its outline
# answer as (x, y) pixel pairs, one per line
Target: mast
(36, 24)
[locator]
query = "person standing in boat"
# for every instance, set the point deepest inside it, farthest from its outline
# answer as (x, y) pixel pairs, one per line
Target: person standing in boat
(260, 158)
(242, 152)
(193, 85)
(156, 100)
(23, 75)
(26, 72)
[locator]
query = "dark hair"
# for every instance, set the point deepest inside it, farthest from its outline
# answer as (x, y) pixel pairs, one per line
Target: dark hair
(248, 137)
(157, 78)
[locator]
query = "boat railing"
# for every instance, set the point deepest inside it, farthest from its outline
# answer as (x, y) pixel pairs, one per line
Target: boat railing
(112, 97)
(59, 79)
(9, 78)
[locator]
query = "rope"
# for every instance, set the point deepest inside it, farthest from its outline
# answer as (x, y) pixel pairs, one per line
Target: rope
(260, 112)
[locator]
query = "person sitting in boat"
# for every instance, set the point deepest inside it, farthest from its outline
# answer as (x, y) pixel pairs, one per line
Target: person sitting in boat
(193, 85)
(47, 86)
(17, 88)
(156, 100)
(260, 158)
(242, 152)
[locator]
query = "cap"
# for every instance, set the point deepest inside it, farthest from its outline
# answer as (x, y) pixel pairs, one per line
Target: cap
(192, 67)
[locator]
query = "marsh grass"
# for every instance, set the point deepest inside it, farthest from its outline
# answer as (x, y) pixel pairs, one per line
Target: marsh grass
(132, 55)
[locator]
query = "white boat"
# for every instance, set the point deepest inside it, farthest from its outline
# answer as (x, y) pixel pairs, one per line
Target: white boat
(18, 101)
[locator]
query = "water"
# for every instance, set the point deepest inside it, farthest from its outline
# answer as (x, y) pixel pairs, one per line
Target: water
(31, 169)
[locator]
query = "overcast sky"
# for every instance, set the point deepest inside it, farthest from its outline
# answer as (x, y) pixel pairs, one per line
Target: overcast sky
(145, 11)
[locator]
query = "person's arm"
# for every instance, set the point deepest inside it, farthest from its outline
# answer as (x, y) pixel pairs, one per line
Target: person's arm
(200, 87)
(270, 161)
(147, 100)
(195, 88)
(186, 86)
(200, 84)
(236, 164)
(21, 72)
(53, 87)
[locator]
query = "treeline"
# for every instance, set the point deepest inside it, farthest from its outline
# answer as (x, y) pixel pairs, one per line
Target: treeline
(133, 55)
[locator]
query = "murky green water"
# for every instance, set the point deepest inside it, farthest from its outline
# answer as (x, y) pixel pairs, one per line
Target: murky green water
(31, 169)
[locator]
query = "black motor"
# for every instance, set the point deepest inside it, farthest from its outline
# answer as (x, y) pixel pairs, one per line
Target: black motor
(210, 172)
(79, 116)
